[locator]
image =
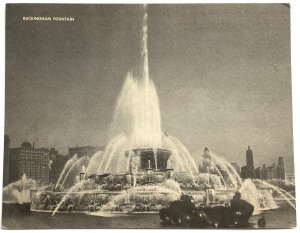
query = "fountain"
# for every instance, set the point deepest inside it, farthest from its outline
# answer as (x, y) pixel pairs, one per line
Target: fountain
(142, 168)
(17, 196)
(157, 158)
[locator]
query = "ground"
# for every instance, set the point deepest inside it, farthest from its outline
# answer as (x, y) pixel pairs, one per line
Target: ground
(283, 217)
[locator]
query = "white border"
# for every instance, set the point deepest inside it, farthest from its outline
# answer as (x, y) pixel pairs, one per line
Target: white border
(295, 40)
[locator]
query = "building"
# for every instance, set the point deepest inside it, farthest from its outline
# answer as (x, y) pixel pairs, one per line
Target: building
(34, 162)
(236, 168)
(264, 173)
(249, 157)
(272, 172)
(6, 161)
(258, 173)
(248, 170)
(290, 177)
(84, 150)
(281, 169)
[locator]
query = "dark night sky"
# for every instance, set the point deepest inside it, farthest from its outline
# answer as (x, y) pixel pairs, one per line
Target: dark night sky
(222, 73)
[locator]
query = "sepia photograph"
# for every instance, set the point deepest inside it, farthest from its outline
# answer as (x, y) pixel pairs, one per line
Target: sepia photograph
(148, 116)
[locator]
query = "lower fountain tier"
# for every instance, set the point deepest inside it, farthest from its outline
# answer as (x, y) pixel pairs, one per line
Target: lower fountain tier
(141, 159)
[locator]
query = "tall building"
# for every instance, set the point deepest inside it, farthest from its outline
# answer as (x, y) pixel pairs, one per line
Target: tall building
(249, 157)
(281, 169)
(6, 161)
(248, 170)
(34, 162)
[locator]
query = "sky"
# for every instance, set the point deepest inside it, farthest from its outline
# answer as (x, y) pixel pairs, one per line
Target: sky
(222, 74)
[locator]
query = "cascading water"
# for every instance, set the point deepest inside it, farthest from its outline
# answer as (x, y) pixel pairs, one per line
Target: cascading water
(260, 199)
(137, 122)
(77, 164)
(137, 111)
(67, 166)
(19, 191)
(76, 186)
(137, 126)
(282, 192)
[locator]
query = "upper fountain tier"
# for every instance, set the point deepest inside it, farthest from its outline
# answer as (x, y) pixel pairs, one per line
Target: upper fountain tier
(141, 159)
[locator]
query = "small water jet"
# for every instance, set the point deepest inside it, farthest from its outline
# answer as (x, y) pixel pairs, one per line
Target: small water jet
(75, 164)
(68, 164)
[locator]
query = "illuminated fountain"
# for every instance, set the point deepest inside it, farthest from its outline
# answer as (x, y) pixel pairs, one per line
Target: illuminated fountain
(142, 168)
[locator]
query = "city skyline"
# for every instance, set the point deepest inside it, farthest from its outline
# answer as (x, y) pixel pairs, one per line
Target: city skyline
(229, 88)
(46, 164)
(102, 147)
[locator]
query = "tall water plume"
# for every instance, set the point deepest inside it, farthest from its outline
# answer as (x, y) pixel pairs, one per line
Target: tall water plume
(137, 111)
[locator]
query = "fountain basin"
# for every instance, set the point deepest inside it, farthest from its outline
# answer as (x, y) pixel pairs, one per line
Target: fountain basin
(13, 208)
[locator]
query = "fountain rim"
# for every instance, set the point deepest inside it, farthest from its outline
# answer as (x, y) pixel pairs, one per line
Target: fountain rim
(148, 149)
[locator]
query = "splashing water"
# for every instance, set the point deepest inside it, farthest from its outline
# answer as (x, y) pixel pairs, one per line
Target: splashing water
(279, 190)
(75, 164)
(76, 186)
(137, 124)
(92, 167)
(83, 169)
(137, 112)
(167, 191)
(260, 199)
(68, 164)
(19, 191)
(224, 167)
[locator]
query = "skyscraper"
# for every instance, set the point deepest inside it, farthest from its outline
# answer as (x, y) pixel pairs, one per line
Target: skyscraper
(281, 169)
(249, 157)
(248, 170)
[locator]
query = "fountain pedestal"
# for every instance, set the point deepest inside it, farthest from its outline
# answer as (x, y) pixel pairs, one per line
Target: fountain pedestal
(140, 158)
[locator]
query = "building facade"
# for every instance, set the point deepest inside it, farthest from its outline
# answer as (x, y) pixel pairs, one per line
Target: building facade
(258, 173)
(281, 169)
(34, 162)
(6, 161)
(290, 177)
(264, 172)
(248, 170)
(271, 172)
